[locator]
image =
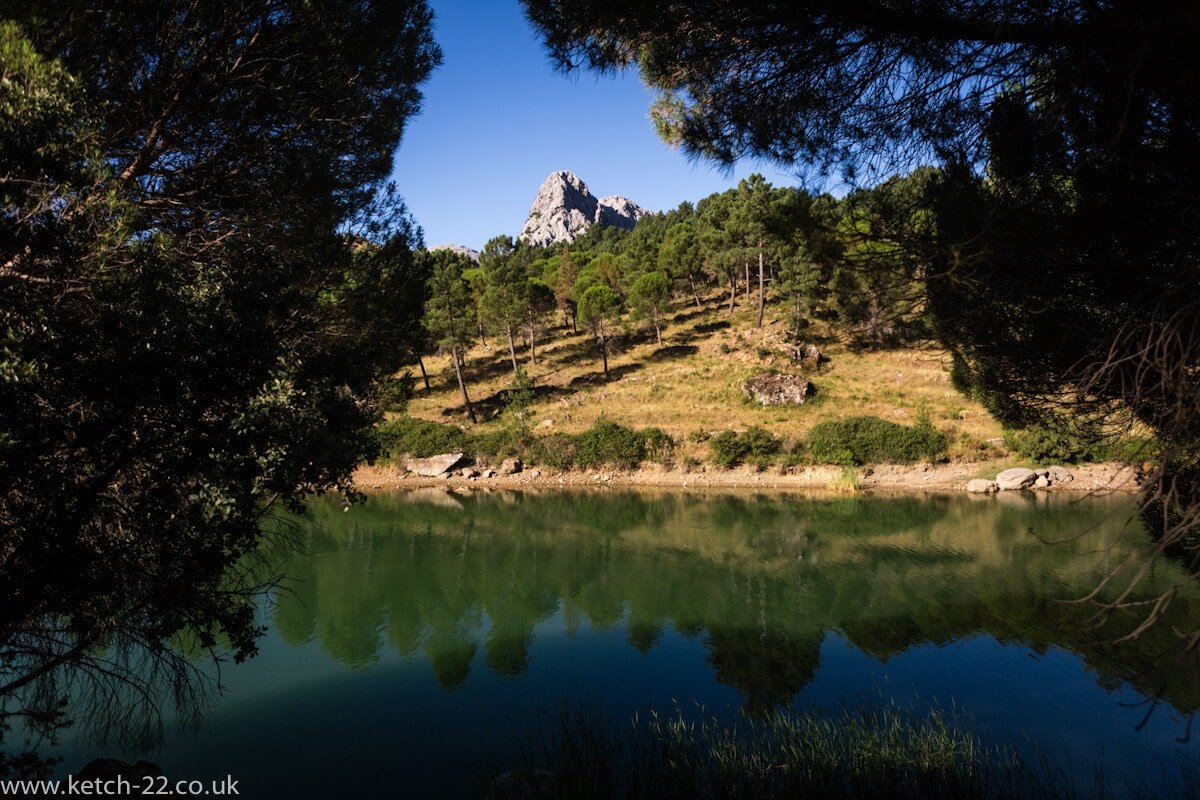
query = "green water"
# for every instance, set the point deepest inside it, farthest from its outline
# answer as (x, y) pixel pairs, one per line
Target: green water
(417, 634)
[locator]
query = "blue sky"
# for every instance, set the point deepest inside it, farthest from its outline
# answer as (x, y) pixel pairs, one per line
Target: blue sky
(497, 119)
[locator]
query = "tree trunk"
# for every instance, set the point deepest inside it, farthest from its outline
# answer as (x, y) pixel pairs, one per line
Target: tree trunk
(732, 290)
(695, 294)
(424, 374)
(657, 332)
(796, 316)
(761, 285)
(456, 356)
(575, 321)
(512, 351)
(747, 278)
(482, 336)
(532, 344)
(603, 350)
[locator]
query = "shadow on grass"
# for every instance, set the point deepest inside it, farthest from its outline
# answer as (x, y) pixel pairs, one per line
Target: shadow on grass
(711, 327)
(492, 405)
(673, 352)
(598, 378)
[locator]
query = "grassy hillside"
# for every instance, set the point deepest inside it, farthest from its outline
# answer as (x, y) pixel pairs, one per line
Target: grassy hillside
(691, 386)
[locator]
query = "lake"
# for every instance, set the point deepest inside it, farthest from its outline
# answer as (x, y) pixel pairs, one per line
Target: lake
(419, 635)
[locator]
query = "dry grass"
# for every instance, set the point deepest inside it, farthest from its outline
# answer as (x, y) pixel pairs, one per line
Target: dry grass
(691, 386)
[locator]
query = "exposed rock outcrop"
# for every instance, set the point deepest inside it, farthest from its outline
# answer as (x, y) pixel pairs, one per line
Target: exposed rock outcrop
(777, 388)
(564, 209)
(434, 466)
(457, 248)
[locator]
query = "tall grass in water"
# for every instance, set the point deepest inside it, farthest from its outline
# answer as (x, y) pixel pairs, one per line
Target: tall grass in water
(883, 753)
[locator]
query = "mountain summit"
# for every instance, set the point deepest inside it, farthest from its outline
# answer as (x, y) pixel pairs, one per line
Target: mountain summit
(564, 209)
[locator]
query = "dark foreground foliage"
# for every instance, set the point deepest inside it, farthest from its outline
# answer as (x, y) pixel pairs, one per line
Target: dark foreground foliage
(205, 282)
(866, 753)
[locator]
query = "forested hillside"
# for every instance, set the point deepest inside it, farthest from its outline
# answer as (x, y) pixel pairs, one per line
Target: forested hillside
(646, 338)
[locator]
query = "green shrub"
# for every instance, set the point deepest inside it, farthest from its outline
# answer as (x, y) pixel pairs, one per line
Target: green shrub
(556, 450)
(419, 438)
(609, 443)
(659, 445)
(755, 446)
(503, 442)
(855, 441)
(1068, 441)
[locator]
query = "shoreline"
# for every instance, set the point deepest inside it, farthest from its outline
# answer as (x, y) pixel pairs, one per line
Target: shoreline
(880, 479)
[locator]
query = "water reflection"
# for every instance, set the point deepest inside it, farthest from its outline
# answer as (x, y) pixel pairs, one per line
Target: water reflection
(760, 581)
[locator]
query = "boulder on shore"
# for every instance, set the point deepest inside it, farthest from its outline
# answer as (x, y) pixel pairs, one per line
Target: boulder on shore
(434, 466)
(1059, 475)
(1016, 478)
(982, 486)
(510, 466)
(777, 388)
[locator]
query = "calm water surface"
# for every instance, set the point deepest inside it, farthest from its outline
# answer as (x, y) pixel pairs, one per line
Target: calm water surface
(420, 632)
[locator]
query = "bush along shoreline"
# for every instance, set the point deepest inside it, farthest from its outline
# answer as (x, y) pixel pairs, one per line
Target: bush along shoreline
(848, 454)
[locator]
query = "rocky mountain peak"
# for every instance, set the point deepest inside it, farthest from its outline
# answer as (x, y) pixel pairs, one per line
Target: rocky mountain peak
(564, 208)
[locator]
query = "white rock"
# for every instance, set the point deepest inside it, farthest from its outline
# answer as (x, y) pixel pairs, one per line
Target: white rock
(982, 486)
(1060, 475)
(434, 466)
(564, 208)
(1042, 482)
(457, 248)
(1016, 478)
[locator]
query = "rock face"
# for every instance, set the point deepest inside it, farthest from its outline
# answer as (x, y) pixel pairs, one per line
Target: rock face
(564, 209)
(457, 248)
(777, 388)
(434, 466)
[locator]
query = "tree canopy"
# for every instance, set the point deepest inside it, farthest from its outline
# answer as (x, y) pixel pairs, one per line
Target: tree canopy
(204, 281)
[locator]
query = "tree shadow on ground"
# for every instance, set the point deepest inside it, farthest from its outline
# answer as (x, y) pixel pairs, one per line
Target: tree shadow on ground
(685, 316)
(598, 379)
(673, 352)
(491, 406)
(711, 327)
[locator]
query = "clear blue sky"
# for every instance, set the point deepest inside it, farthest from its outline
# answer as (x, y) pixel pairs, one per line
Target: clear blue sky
(497, 119)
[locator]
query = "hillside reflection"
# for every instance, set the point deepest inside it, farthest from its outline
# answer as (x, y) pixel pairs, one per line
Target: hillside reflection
(760, 580)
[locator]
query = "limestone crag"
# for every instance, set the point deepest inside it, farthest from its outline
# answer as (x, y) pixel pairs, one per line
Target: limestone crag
(457, 248)
(564, 209)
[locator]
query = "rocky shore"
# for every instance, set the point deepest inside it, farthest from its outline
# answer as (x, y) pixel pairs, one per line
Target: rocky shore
(916, 479)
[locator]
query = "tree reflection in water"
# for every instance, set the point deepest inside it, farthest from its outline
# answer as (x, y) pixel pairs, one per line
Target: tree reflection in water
(761, 580)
